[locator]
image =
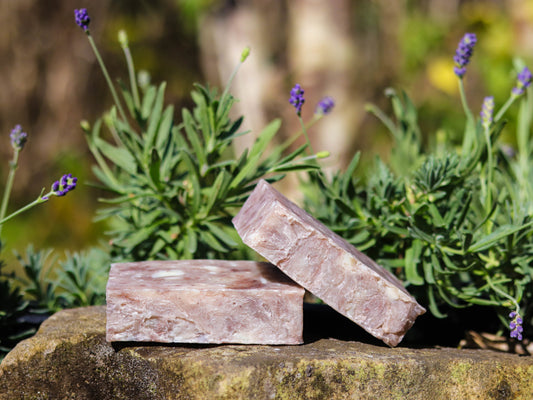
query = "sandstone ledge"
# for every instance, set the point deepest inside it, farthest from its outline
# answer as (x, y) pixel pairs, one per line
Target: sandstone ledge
(69, 359)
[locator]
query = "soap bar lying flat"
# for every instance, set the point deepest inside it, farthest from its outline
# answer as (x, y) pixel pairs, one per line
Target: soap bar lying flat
(326, 265)
(203, 301)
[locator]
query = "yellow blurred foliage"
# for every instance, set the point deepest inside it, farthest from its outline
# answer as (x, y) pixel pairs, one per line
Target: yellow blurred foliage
(440, 73)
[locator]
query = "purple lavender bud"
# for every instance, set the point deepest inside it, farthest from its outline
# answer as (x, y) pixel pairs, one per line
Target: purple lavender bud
(64, 185)
(516, 325)
(487, 109)
(82, 18)
(325, 105)
(297, 98)
(65, 179)
(464, 53)
(522, 82)
(18, 138)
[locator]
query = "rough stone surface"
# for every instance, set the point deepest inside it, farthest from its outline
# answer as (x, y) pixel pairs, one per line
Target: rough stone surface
(69, 358)
(326, 265)
(203, 301)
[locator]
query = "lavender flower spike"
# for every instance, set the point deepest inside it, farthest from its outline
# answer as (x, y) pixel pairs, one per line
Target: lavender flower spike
(325, 106)
(297, 98)
(523, 81)
(18, 138)
(82, 19)
(62, 186)
(516, 325)
(487, 109)
(464, 53)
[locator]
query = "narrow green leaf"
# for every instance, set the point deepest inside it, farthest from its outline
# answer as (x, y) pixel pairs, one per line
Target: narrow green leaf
(419, 234)
(220, 234)
(171, 160)
(217, 191)
(250, 166)
(293, 155)
(437, 219)
(165, 128)
(232, 132)
(433, 304)
(211, 241)
(385, 120)
(158, 245)
(346, 208)
(192, 134)
(266, 135)
(428, 271)
(221, 166)
(155, 118)
(104, 178)
(348, 174)
(192, 242)
(128, 99)
(194, 180)
(148, 101)
(118, 155)
(154, 169)
(412, 260)
(295, 167)
(135, 238)
(498, 234)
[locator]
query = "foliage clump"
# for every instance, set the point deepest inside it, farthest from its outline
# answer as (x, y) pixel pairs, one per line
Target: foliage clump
(175, 186)
(454, 221)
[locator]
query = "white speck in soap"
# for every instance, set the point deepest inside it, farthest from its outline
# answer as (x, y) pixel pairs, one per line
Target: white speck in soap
(167, 274)
(392, 293)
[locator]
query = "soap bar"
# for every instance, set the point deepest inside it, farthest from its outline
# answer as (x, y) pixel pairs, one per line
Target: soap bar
(326, 265)
(203, 301)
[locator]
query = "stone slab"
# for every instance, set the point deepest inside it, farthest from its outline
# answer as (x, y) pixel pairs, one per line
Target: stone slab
(203, 301)
(326, 265)
(69, 358)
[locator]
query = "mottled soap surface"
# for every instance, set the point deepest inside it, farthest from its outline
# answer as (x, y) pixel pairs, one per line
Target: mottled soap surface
(326, 264)
(203, 301)
(200, 274)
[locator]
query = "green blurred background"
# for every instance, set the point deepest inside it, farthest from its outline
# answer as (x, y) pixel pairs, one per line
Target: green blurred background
(351, 50)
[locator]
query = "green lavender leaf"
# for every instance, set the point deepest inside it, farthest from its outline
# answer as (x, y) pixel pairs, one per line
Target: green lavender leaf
(412, 260)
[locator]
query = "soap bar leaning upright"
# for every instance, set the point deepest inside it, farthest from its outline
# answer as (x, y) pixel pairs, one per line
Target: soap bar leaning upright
(326, 265)
(203, 301)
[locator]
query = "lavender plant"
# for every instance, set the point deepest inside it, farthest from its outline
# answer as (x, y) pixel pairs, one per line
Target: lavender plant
(174, 187)
(455, 224)
(45, 285)
(23, 300)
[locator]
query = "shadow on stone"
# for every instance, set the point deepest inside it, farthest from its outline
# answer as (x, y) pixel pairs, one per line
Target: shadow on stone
(119, 346)
(323, 322)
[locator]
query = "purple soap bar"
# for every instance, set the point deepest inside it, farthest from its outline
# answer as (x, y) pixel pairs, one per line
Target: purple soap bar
(203, 301)
(326, 265)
